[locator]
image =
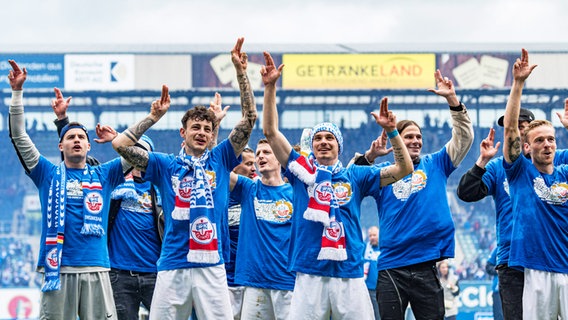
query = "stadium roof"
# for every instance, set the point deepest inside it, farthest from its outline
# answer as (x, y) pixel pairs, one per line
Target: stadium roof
(290, 48)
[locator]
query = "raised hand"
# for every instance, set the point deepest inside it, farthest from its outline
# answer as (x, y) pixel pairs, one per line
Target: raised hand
(239, 59)
(487, 149)
(385, 118)
(16, 76)
(161, 106)
(445, 86)
(60, 104)
(217, 108)
(269, 72)
(564, 117)
(105, 133)
(378, 147)
(522, 69)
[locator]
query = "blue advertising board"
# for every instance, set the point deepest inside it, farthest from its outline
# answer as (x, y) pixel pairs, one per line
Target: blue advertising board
(44, 70)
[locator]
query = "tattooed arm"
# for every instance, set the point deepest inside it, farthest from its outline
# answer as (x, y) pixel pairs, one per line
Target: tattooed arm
(402, 163)
(240, 135)
(512, 145)
(124, 142)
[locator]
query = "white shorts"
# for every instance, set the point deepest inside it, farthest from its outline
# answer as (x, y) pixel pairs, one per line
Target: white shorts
(318, 297)
(236, 295)
(545, 295)
(266, 304)
(177, 291)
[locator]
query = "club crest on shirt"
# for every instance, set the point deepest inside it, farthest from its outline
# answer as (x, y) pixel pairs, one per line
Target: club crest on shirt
(323, 192)
(94, 202)
(202, 230)
(343, 192)
(282, 211)
(52, 259)
(334, 231)
(183, 187)
(557, 194)
(404, 188)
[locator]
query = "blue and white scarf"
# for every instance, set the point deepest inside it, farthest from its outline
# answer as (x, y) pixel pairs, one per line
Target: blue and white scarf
(56, 206)
(194, 199)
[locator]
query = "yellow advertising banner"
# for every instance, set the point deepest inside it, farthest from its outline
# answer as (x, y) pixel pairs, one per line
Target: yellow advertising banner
(358, 71)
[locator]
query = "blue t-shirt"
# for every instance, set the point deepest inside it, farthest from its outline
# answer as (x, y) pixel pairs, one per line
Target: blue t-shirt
(234, 224)
(262, 256)
(163, 171)
(350, 186)
(78, 250)
(414, 215)
(539, 238)
(498, 187)
(134, 241)
(371, 267)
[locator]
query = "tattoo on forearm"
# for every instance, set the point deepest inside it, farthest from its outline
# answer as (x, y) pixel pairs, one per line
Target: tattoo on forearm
(240, 136)
(515, 148)
(130, 135)
(139, 128)
(137, 157)
(398, 157)
(386, 176)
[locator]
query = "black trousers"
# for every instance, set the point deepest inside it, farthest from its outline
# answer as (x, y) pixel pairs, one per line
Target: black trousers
(416, 284)
(511, 285)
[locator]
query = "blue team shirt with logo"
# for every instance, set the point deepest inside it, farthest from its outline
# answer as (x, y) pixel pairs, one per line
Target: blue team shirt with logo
(414, 215)
(134, 240)
(350, 185)
(161, 171)
(498, 187)
(539, 237)
(266, 221)
(78, 250)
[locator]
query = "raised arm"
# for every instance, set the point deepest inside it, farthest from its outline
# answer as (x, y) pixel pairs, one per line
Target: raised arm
(512, 146)
(240, 135)
(124, 142)
(26, 150)
(60, 106)
(471, 186)
(278, 142)
(402, 163)
(217, 107)
(462, 128)
(377, 149)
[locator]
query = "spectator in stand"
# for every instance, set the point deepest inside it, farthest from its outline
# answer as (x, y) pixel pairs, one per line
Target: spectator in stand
(490, 269)
(370, 257)
(449, 282)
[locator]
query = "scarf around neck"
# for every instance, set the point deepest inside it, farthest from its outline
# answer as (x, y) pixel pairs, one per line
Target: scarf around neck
(56, 207)
(194, 199)
(322, 204)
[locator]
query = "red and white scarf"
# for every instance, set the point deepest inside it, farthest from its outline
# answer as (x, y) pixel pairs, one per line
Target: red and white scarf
(322, 205)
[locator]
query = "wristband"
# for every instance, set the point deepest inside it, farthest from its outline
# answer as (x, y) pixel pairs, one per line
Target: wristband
(392, 134)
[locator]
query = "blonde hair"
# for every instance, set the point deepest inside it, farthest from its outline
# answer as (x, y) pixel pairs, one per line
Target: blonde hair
(533, 125)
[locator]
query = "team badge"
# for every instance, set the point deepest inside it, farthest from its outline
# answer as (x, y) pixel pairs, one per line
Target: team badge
(94, 202)
(282, 211)
(323, 193)
(184, 188)
(334, 231)
(202, 230)
(342, 192)
(52, 259)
